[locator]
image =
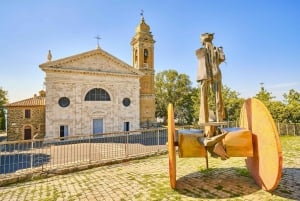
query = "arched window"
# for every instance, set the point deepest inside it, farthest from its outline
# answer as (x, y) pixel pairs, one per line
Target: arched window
(135, 56)
(145, 55)
(97, 94)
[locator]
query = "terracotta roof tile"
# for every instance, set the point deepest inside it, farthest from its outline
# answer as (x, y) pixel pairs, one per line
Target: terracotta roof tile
(35, 101)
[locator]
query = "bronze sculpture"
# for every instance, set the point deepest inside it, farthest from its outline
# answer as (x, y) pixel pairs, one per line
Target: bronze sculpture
(263, 160)
(209, 74)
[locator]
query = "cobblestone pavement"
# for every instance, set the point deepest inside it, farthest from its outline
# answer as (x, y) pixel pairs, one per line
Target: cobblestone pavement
(148, 179)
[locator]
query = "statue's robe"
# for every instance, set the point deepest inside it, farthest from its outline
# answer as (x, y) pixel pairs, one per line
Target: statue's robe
(204, 71)
(203, 77)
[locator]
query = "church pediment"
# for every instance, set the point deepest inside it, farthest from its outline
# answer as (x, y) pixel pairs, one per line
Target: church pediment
(95, 61)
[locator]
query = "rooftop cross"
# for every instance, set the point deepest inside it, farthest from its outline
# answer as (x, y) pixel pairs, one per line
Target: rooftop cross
(142, 13)
(98, 38)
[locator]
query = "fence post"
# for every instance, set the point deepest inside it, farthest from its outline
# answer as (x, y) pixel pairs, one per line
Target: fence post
(31, 158)
(126, 145)
(158, 140)
(90, 149)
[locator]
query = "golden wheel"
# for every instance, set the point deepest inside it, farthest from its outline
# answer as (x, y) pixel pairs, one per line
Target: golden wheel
(266, 164)
(171, 146)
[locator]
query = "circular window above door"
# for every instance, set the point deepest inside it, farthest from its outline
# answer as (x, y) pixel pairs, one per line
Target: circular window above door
(126, 102)
(64, 102)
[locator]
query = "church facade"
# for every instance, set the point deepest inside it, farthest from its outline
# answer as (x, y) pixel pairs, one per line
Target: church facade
(95, 92)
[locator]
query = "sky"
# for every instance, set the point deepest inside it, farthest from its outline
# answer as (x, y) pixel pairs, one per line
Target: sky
(260, 39)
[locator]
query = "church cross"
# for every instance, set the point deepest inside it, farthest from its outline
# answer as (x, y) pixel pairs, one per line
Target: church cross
(142, 13)
(98, 38)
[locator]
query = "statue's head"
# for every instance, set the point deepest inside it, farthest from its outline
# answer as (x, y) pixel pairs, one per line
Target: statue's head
(207, 37)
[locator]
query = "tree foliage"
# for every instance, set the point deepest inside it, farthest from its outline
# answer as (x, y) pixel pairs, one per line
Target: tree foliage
(3, 101)
(175, 88)
(292, 99)
(264, 96)
(232, 103)
(286, 111)
(231, 100)
(278, 111)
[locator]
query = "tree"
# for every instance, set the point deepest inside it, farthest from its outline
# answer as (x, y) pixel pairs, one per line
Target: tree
(232, 103)
(264, 96)
(292, 97)
(231, 100)
(279, 111)
(175, 88)
(3, 101)
(195, 98)
(293, 106)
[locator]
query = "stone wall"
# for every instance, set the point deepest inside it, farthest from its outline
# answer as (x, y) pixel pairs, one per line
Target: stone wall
(16, 122)
(79, 115)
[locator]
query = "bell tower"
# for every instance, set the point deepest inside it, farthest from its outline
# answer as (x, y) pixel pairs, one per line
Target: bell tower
(143, 59)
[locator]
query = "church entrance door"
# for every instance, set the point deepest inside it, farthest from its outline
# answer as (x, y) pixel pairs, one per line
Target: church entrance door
(126, 126)
(97, 126)
(64, 132)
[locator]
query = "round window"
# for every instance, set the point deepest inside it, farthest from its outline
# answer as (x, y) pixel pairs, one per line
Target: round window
(64, 102)
(126, 102)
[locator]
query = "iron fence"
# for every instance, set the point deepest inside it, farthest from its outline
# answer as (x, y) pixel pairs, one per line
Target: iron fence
(282, 128)
(288, 128)
(46, 155)
(20, 157)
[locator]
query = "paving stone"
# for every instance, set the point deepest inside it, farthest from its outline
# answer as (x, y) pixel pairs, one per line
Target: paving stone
(148, 179)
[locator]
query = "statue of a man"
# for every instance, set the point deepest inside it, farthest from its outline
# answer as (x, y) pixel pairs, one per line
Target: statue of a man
(209, 74)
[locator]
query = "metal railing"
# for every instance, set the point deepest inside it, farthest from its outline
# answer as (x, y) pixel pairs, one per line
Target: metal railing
(288, 128)
(50, 155)
(21, 157)
(282, 128)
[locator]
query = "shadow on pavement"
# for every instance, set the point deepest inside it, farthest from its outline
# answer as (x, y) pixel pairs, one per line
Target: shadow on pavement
(289, 186)
(221, 183)
(14, 162)
(216, 183)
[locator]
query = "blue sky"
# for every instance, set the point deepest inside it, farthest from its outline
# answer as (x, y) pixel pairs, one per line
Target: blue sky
(261, 39)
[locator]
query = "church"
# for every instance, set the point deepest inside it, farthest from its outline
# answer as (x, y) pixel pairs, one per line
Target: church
(95, 92)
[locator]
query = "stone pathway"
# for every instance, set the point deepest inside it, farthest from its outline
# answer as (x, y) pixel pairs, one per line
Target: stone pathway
(148, 179)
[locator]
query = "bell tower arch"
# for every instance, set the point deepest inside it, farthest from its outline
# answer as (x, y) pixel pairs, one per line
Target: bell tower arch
(143, 59)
